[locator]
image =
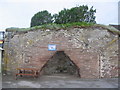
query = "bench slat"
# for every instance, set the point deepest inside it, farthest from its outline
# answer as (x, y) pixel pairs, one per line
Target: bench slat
(26, 74)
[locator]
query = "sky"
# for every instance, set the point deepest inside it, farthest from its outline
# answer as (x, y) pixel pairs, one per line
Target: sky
(18, 13)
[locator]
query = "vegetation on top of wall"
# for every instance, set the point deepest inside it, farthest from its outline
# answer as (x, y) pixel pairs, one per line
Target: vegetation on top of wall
(66, 26)
(52, 26)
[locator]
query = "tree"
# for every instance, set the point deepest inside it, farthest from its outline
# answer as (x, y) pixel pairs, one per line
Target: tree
(75, 14)
(89, 17)
(40, 18)
(62, 17)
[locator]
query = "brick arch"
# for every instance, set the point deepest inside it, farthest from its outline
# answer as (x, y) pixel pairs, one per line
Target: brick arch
(74, 65)
(39, 60)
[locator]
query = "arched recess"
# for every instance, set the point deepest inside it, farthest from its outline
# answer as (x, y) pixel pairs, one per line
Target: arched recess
(60, 63)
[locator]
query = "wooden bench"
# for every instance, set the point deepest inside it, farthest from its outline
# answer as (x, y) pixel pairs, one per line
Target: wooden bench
(27, 72)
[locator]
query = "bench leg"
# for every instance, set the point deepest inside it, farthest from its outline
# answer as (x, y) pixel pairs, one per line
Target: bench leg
(16, 76)
(20, 72)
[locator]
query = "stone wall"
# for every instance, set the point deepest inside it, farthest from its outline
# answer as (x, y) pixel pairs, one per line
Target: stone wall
(93, 50)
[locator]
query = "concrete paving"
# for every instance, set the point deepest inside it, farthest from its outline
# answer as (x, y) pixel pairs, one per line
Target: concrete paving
(57, 81)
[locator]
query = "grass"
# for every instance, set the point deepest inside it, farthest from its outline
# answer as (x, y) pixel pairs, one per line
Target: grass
(54, 26)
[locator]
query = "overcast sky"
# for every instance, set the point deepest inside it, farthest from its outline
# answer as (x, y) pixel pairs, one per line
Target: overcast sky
(18, 13)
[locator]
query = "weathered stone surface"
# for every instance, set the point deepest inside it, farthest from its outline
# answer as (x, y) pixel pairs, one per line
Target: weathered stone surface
(94, 51)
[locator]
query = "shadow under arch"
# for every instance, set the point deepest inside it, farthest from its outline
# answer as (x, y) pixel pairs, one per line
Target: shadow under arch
(60, 63)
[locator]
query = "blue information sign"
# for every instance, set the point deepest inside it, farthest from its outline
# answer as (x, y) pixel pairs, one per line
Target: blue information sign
(51, 47)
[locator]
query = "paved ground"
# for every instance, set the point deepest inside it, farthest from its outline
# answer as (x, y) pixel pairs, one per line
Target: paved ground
(58, 81)
(0, 81)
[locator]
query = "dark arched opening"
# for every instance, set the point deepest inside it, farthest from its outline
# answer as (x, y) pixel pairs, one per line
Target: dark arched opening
(60, 63)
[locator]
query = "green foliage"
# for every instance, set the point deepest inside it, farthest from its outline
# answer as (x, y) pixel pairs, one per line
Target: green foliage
(40, 18)
(62, 17)
(75, 14)
(52, 26)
